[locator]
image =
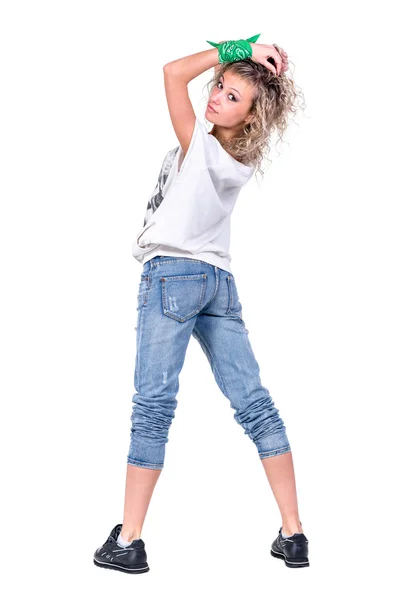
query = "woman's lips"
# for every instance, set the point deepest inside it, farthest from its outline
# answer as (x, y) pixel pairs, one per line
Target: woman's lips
(211, 108)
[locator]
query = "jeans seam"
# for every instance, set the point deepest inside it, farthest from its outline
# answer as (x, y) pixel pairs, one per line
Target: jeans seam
(230, 296)
(139, 463)
(216, 288)
(268, 452)
(139, 342)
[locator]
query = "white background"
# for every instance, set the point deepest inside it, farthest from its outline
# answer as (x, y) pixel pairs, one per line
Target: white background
(84, 129)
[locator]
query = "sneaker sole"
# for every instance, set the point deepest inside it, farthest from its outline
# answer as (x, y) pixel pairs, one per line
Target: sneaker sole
(292, 564)
(143, 568)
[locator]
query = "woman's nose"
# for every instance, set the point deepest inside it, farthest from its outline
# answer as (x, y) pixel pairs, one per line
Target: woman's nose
(215, 98)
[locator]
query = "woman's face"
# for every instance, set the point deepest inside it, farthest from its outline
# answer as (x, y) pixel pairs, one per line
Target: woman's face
(231, 98)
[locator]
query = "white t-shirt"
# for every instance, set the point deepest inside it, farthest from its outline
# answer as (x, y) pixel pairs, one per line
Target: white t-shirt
(188, 213)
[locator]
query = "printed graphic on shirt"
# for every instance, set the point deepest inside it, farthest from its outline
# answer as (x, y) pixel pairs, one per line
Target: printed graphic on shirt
(157, 195)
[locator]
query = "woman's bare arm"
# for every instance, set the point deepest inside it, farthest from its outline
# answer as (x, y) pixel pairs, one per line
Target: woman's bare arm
(177, 75)
(189, 67)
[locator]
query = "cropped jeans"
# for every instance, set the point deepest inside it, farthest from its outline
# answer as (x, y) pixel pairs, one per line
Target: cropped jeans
(178, 298)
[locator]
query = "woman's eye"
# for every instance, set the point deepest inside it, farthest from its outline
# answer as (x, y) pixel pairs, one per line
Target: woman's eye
(220, 82)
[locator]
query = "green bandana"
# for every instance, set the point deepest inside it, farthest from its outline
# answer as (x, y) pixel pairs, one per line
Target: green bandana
(234, 50)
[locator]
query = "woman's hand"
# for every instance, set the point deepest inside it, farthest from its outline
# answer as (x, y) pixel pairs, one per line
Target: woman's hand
(262, 52)
(284, 57)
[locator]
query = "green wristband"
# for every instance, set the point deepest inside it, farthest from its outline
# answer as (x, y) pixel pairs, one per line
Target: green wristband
(234, 50)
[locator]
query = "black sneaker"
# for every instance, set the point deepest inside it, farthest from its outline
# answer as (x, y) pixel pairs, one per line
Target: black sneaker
(132, 559)
(293, 550)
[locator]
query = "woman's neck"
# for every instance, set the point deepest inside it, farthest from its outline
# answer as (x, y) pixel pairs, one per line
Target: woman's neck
(226, 142)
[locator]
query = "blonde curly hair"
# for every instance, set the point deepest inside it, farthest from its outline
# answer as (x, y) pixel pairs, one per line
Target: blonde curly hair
(276, 99)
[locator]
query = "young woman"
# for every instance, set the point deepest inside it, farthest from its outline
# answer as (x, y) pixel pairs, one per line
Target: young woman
(187, 287)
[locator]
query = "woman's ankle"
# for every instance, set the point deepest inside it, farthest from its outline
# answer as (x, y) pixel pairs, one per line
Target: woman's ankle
(289, 527)
(129, 536)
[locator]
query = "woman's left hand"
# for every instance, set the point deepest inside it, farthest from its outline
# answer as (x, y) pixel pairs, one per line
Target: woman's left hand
(262, 52)
(284, 57)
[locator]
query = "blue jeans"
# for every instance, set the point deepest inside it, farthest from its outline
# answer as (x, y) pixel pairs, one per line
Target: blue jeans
(179, 297)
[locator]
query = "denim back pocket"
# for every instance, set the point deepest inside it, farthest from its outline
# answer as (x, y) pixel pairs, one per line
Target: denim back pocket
(183, 295)
(234, 305)
(143, 291)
